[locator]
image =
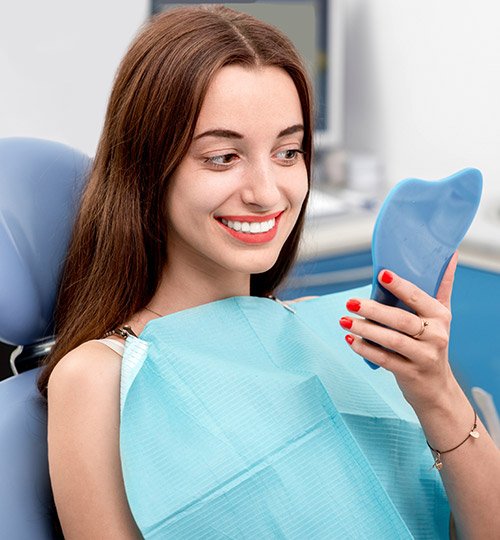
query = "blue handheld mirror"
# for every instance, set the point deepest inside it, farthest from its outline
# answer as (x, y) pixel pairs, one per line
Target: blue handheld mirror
(419, 227)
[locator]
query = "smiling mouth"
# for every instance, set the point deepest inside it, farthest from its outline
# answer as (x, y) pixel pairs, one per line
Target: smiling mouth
(250, 225)
(251, 229)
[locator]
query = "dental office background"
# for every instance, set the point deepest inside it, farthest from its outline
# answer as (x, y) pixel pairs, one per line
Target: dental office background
(418, 96)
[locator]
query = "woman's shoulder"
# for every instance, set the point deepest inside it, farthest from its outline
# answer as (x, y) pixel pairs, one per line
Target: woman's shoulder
(92, 365)
(83, 440)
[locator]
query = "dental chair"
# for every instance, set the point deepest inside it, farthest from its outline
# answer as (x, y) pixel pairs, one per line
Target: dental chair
(40, 186)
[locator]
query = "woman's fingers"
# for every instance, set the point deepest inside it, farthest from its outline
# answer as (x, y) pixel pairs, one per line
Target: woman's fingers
(412, 345)
(396, 318)
(445, 289)
(416, 299)
(398, 342)
(421, 336)
(389, 360)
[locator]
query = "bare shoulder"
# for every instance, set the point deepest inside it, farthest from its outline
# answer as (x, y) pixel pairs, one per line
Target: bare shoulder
(83, 440)
(85, 383)
(84, 363)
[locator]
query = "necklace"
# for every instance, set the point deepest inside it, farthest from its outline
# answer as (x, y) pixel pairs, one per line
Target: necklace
(153, 311)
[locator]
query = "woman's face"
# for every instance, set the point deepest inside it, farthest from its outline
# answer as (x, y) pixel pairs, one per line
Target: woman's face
(236, 195)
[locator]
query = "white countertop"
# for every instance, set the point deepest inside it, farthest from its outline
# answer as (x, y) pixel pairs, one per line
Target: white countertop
(339, 235)
(351, 232)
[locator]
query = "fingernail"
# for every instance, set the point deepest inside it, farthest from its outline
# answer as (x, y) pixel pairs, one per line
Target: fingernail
(353, 305)
(349, 339)
(345, 322)
(386, 277)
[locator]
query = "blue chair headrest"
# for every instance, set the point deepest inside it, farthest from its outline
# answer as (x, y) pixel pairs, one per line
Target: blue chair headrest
(40, 187)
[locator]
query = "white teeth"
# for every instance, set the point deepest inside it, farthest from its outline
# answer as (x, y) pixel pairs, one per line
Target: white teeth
(264, 226)
(253, 227)
(267, 225)
(236, 225)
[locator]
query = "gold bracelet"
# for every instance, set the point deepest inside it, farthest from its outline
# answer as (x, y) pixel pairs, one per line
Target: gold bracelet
(438, 453)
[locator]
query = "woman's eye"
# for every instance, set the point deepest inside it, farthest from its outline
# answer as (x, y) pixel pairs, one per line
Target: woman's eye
(289, 156)
(221, 161)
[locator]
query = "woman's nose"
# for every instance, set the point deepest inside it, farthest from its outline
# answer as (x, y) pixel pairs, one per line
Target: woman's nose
(261, 187)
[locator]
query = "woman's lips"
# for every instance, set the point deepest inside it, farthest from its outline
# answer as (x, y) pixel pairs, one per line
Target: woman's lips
(249, 237)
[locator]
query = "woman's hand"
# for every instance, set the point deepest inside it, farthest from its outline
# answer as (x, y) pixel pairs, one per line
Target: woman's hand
(413, 347)
(471, 470)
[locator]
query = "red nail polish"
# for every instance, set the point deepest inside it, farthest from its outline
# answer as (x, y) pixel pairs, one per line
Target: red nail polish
(345, 322)
(386, 277)
(353, 305)
(349, 339)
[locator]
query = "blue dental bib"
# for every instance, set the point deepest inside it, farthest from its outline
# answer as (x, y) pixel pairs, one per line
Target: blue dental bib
(243, 420)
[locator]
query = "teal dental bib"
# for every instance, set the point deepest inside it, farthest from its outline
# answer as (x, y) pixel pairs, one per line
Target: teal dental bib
(243, 420)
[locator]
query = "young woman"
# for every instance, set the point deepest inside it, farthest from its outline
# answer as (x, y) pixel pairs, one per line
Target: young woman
(190, 220)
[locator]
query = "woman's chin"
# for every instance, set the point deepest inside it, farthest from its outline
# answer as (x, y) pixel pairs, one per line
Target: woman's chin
(262, 266)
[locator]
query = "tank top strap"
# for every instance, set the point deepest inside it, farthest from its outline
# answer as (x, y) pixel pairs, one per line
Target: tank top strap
(117, 346)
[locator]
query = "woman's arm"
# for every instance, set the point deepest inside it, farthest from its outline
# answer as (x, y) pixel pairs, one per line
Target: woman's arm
(83, 441)
(471, 473)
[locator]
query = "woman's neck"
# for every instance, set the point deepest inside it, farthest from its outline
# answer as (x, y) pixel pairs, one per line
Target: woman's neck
(187, 287)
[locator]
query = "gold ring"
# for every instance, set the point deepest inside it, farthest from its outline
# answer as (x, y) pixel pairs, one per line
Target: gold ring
(421, 331)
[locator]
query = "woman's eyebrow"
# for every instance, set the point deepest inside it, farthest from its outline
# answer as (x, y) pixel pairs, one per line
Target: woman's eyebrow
(225, 133)
(291, 130)
(230, 134)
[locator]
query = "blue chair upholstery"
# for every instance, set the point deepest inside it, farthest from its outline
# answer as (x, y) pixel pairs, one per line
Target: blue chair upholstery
(40, 186)
(25, 494)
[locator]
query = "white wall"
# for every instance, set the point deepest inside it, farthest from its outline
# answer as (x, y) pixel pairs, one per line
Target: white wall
(57, 63)
(423, 87)
(422, 82)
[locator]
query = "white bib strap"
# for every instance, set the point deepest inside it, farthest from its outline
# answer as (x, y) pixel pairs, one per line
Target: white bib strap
(117, 346)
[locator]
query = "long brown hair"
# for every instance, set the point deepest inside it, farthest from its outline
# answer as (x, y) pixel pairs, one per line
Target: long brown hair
(118, 249)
